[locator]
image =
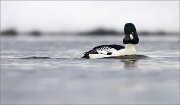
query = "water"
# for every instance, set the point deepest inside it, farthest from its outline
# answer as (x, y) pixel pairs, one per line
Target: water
(50, 70)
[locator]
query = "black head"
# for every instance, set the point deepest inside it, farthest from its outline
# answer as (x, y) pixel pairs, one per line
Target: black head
(129, 28)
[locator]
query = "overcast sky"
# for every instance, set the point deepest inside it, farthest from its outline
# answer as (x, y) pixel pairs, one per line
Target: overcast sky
(85, 15)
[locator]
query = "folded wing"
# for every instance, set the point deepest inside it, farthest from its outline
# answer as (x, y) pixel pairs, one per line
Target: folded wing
(103, 49)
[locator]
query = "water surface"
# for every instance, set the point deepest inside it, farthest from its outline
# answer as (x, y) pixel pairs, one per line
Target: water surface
(50, 70)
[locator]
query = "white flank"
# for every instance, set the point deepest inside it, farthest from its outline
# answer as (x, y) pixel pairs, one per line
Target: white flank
(95, 56)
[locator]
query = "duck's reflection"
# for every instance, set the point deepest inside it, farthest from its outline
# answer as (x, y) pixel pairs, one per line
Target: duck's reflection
(130, 63)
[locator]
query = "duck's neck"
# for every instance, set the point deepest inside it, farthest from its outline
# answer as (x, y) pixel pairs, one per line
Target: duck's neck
(130, 49)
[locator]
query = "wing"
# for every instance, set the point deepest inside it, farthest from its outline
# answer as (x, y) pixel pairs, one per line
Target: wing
(103, 49)
(108, 49)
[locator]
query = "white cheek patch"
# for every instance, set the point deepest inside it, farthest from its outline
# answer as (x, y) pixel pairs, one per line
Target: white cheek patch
(131, 36)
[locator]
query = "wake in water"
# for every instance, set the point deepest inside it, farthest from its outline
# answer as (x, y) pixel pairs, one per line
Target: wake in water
(130, 57)
(37, 57)
(135, 57)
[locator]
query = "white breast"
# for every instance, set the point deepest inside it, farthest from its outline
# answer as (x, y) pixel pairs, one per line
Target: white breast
(130, 49)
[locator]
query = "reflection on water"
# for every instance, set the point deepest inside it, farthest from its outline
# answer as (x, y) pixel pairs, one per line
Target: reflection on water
(129, 63)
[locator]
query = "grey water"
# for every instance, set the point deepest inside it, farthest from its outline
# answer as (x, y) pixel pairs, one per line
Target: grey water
(50, 70)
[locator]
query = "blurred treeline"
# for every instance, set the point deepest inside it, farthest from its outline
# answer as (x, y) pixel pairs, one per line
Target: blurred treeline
(97, 31)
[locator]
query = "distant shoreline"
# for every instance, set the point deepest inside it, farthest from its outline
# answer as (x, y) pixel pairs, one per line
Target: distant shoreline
(95, 32)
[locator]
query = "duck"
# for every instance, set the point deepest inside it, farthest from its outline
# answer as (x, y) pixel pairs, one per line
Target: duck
(130, 40)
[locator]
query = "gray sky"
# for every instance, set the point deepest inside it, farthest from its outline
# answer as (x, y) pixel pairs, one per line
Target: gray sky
(85, 15)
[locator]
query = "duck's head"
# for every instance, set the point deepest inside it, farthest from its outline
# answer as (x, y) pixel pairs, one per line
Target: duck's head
(129, 28)
(131, 36)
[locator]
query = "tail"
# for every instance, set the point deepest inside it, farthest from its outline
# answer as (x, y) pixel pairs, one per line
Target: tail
(86, 54)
